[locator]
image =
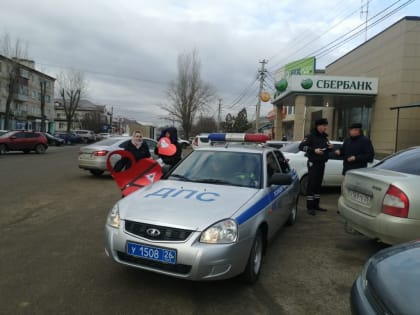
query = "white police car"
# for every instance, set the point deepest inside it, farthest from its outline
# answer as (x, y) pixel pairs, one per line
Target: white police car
(211, 216)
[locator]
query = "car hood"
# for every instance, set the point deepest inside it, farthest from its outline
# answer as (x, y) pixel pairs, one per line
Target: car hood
(393, 277)
(187, 205)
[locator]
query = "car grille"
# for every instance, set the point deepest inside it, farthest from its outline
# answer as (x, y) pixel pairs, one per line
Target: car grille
(175, 268)
(166, 233)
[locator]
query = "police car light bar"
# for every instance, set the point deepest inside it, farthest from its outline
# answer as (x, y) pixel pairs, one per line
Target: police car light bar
(238, 137)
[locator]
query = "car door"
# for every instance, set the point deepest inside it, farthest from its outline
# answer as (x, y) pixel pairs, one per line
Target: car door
(279, 195)
(17, 141)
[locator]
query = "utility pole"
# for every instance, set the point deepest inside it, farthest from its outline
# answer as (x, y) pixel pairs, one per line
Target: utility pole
(110, 119)
(262, 72)
(366, 13)
(219, 115)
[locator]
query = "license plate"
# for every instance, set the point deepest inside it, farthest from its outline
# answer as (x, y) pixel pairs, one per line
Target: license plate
(359, 197)
(86, 156)
(164, 255)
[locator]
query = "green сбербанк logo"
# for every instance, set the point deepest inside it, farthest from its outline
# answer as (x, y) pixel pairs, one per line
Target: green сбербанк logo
(306, 84)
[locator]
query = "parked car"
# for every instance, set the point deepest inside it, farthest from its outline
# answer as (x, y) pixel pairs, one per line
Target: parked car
(52, 140)
(25, 141)
(87, 136)
(382, 202)
(278, 144)
(200, 141)
(210, 217)
(184, 143)
(93, 157)
(69, 137)
(104, 135)
(389, 283)
(333, 168)
(2, 132)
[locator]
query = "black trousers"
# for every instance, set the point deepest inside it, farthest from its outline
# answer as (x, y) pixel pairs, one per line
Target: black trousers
(315, 177)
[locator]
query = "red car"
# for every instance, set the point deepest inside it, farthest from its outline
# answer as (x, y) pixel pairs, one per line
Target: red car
(25, 141)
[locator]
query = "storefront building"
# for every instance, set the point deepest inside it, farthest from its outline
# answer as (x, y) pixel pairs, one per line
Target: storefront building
(361, 86)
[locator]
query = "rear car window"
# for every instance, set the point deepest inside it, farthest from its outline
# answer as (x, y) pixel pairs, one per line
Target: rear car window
(406, 161)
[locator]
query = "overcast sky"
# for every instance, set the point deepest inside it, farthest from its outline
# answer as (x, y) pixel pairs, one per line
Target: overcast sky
(128, 49)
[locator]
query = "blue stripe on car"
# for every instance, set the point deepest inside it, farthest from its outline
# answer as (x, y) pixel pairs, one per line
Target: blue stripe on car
(260, 205)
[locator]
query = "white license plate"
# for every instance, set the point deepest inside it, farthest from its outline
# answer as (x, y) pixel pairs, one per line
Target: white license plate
(360, 198)
(86, 156)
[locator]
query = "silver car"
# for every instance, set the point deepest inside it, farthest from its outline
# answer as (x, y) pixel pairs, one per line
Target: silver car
(209, 218)
(383, 202)
(93, 157)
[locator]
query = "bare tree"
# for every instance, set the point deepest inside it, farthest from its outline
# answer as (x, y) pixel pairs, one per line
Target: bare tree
(72, 86)
(188, 94)
(15, 51)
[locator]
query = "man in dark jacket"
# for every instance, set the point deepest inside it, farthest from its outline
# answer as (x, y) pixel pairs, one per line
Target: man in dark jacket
(316, 145)
(357, 150)
(137, 147)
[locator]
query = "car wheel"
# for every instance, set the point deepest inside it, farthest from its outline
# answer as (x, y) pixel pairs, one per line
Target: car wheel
(96, 172)
(304, 185)
(3, 149)
(253, 267)
(40, 149)
(293, 215)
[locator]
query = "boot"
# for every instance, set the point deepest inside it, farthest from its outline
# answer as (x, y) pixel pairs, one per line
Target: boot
(316, 204)
(310, 205)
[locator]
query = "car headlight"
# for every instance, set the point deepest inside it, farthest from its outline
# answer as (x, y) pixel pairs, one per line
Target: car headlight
(223, 232)
(114, 217)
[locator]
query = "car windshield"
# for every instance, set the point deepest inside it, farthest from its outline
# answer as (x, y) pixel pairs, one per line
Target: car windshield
(406, 161)
(225, 168)
(291, 147)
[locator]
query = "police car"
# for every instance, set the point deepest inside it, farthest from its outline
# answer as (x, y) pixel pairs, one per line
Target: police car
(211, 216)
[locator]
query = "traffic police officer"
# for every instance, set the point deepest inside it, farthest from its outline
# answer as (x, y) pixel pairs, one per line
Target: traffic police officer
(316, 145)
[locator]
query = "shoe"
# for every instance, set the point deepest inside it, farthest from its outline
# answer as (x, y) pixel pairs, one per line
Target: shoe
(321, 209)
(311, 212)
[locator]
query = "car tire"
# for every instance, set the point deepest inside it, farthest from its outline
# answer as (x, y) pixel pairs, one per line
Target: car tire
(292, 217)
(96, 172)
(40, 149)
(3, 149)
(253, 267)
(304, 185)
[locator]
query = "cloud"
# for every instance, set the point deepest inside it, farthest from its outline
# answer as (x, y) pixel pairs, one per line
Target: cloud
(128, 49)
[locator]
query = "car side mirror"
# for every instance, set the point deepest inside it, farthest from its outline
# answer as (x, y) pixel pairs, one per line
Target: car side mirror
(12, 137)
(280, 179)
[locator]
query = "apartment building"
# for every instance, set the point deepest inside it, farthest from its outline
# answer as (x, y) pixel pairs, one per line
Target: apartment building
(25, 108)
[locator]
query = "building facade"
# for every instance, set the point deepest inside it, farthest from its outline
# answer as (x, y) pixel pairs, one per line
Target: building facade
(87, 116)
(389, 66)
(25, 108)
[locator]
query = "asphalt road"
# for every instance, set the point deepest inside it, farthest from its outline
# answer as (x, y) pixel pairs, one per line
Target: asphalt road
(52, 260)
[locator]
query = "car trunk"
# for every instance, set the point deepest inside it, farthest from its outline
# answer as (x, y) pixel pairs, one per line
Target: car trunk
(364, 190)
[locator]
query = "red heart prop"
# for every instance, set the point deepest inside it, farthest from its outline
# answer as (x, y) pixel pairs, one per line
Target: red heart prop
(139, 174)
(166, 147)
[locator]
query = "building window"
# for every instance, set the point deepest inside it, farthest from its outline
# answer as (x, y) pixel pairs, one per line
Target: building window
(61, 125)
(34, 95)
(47, 98)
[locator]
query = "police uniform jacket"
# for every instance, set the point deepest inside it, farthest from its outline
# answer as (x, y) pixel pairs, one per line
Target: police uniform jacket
(313, 141)
(359, 146)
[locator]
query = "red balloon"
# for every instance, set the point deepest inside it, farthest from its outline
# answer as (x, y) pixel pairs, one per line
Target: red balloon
(166, 147)
(139, 174)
